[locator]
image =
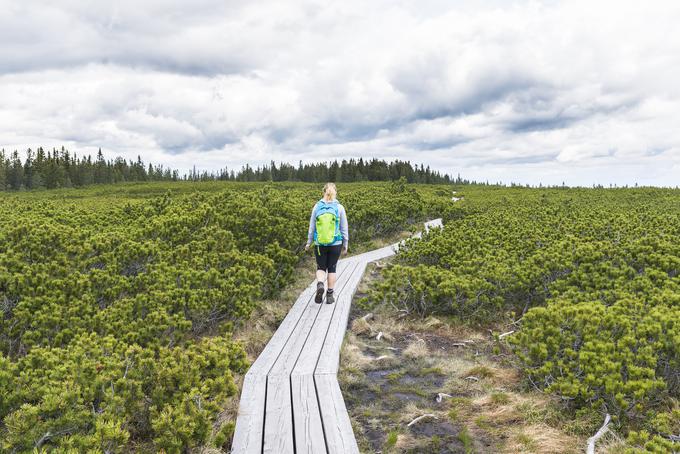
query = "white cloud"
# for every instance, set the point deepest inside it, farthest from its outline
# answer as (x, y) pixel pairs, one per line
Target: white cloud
(527, 91)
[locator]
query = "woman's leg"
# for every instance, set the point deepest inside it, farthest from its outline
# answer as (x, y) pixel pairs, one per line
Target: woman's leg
(333, 256)
(321, 256)
(331, 280)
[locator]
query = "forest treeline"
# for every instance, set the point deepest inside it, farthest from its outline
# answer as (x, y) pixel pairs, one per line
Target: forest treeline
(59, 168)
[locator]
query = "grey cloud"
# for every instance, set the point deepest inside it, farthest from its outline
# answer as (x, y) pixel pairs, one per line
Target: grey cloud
(477, 88)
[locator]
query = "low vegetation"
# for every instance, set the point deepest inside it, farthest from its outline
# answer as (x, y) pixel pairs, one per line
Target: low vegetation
(584, 284)
(416, 385)
(120, 303)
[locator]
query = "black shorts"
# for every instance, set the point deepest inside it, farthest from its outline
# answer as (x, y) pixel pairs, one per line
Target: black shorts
(327, 257)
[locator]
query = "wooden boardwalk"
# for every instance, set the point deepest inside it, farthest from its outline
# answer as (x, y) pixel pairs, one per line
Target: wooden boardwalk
(290, 400)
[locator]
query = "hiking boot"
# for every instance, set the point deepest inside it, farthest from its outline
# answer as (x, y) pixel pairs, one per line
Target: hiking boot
(330, 298)
(319, 293)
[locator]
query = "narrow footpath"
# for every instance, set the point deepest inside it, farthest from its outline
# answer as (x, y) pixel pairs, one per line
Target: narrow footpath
(290, 400)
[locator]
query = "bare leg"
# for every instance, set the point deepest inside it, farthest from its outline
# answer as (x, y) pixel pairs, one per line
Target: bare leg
(321, 275)
(331, 280)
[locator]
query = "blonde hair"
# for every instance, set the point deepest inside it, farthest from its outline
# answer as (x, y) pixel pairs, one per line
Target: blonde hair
(329, 192)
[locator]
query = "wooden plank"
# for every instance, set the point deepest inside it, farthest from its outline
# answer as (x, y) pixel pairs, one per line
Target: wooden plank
(278, 421)
(306, 362)
(278, 427)
(337, 426)
(250, 421)
(330, 353)
(297, 338)
(434, 223)
(376, 254)
(273, 348)
(308, 427)
(309, 438)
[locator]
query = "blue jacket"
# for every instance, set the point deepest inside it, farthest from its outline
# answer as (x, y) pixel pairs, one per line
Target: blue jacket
(344, 229)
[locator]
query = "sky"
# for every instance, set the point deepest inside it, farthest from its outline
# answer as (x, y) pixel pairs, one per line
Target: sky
(581, 92)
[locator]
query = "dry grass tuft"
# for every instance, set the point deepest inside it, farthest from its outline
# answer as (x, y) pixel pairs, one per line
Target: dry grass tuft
(353, 358)
(416, 349)
(509, 376)
(432, 322)
(405, 442)
(540, 439)
(207, 450)
(361, 327)
(480, 371)
(411, 412)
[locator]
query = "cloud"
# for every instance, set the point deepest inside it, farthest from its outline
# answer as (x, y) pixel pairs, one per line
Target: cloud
(529, 91)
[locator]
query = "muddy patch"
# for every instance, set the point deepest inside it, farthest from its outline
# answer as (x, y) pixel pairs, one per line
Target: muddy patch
(383, 400)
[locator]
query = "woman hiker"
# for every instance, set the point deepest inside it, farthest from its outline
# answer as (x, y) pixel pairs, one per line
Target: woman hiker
(329, 233)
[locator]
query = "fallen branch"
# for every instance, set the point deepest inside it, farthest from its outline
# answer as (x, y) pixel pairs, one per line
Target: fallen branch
(501, 336)
(441, 396)
(379, 336)
(379, 358)
(367, 316)
(428, 415)
(472, 377)
(459, 344)
(598, 435)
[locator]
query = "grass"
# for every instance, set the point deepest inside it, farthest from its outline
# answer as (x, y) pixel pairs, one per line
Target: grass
(527, 442)
(467, 441)
(391, 440)
(500, 398)
(416, 349)
(480, 372)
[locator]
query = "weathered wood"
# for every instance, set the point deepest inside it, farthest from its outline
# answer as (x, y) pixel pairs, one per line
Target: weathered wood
(250, 421)
(592, 440)
(309, 436)
(434, 223)
(337, 426)
(273, 348)
(330, 353)
(306, 362)
(248, 434)
(278, 421)
(291, 401)
(278, 427)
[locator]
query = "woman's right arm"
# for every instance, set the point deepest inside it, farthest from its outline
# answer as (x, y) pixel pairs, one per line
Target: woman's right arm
(312, 228)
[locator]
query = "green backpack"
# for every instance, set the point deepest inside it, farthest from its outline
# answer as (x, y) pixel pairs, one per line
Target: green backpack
(327, 223)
